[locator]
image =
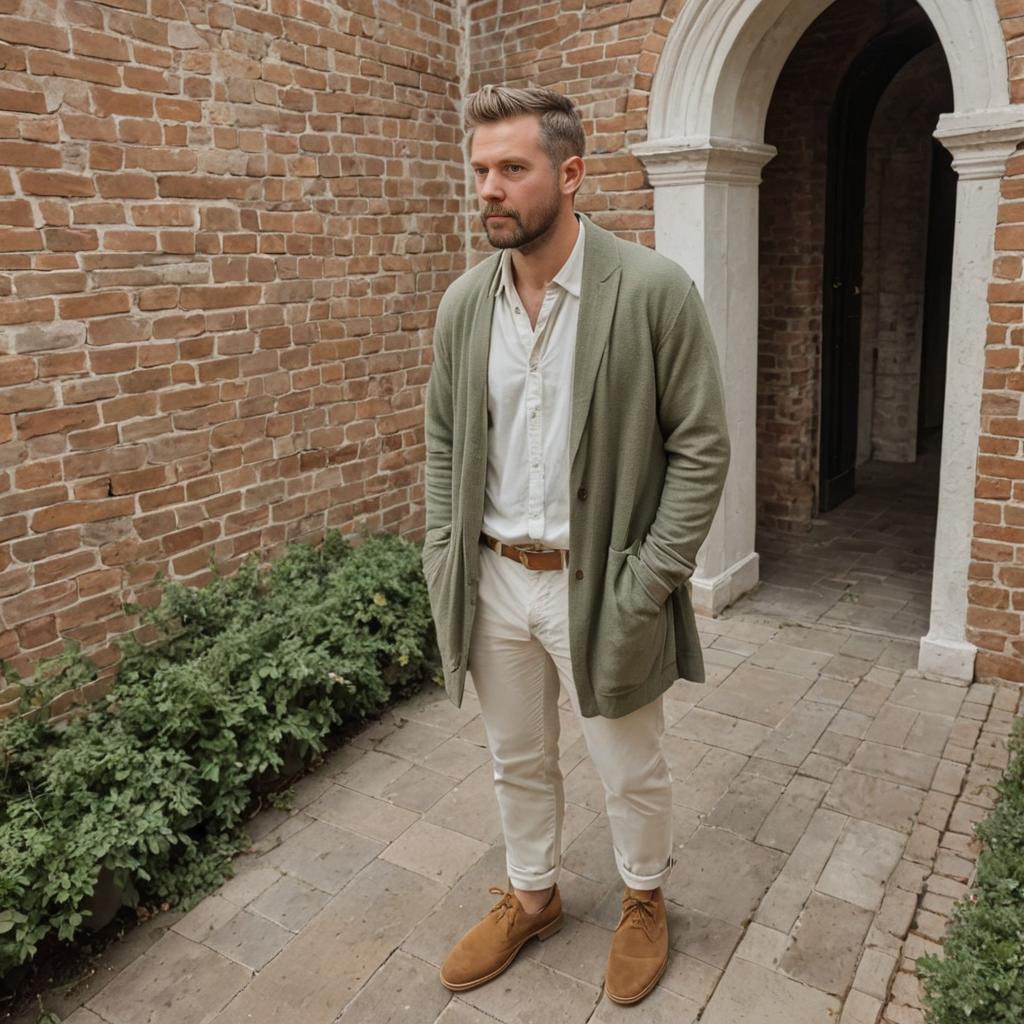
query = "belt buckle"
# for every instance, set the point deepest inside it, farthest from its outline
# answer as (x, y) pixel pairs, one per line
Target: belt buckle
(524, 558)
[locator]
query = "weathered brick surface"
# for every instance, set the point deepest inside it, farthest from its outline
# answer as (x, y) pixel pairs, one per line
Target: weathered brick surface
(225, 231)
(226, 227)
(996, 590)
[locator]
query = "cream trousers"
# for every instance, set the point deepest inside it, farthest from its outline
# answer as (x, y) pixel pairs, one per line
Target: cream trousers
(519, 660)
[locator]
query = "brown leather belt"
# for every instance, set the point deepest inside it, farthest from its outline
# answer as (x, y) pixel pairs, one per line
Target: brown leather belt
(530, 558)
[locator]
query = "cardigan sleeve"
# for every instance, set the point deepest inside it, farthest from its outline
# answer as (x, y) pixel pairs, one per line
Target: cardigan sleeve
(691, 414)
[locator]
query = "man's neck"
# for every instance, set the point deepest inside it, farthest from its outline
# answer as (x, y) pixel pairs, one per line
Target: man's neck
(534, 266)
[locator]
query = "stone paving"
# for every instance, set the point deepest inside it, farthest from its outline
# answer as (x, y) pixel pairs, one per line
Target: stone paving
(814, 774)
(824, 794)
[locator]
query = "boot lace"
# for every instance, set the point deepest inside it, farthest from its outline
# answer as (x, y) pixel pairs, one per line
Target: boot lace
(638, 914)
(507, 908)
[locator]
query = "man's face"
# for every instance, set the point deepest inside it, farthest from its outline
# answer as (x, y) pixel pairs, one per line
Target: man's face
(519, 192)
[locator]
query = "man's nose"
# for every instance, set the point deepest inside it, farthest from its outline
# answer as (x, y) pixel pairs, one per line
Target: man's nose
(490, 188)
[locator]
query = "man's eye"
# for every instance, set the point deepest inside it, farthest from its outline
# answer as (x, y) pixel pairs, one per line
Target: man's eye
(514, 168)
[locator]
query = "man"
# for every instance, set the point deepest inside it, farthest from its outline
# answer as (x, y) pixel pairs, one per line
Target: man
(576, 452)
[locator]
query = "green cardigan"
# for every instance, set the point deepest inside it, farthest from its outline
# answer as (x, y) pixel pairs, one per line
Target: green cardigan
(648, 457)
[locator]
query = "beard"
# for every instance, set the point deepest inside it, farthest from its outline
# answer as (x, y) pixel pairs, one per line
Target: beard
(524, 232)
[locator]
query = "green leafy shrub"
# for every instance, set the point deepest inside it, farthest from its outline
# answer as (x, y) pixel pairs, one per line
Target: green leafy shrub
(151, 784)
(980, 980)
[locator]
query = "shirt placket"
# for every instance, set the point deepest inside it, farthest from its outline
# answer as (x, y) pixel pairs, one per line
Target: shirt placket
(535, 407)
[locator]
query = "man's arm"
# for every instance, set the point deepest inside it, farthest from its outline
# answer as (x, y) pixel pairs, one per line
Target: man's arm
(691, 412)
(438, 429)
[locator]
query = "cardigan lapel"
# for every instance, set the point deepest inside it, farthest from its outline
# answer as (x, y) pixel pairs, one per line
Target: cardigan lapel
(477, 356)
(598, 295)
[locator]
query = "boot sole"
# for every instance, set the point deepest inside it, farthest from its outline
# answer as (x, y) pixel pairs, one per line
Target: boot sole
(545, 933)
(630, 1000)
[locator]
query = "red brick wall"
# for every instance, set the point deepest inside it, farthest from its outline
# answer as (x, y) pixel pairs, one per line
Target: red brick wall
(996, 590)
(601, 55)
(224, 233)
(223, 245)
(996, 586)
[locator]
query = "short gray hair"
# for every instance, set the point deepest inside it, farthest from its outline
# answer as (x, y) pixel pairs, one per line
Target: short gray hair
(561, 130)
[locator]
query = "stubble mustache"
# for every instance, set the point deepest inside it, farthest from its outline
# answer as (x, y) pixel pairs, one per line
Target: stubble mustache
(498, 211)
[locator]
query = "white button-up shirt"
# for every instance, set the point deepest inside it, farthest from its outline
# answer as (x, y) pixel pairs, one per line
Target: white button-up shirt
(529, 383)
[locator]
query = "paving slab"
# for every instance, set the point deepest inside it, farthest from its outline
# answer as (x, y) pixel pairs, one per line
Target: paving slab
(249, 939)
(721, 730)
(797, 733)
(347, 809)
(662, 1006)
(470, 807)
(751, 994)
(435, 852)
(723, 875)
(861, 863)
(417, 788)
(177, 981)
(579, 949)
(827, 942)
(874, 799)
(323, 967)
(402, 991)
(290, 902)
(323, 856)
(758, 695)
(530, 993)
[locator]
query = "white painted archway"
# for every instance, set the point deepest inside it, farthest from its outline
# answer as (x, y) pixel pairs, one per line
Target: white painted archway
(704, 155)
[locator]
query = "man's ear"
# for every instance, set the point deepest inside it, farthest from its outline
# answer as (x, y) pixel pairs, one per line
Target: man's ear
(573, 172)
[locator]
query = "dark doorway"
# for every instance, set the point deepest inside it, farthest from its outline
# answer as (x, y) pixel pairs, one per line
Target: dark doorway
(849, 126)
(937, 288)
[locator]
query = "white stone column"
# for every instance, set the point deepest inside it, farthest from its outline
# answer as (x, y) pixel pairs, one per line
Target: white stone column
(980, 142)
(706, 219)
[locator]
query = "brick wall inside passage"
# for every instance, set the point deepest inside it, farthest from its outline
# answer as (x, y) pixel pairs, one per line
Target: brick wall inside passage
(792, 235)
(225, 230)
(896, 238)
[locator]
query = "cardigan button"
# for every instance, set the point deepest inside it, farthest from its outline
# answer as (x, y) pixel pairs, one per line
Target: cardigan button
(579, 574)
(582, 494)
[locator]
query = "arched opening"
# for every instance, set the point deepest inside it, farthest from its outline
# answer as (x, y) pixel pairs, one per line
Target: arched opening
(704, 155)
(856, 220)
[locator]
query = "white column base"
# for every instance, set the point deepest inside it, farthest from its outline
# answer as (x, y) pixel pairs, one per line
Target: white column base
(711, 595)
(944, 657)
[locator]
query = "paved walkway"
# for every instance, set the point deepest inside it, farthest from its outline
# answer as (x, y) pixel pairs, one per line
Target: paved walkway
(823, 798)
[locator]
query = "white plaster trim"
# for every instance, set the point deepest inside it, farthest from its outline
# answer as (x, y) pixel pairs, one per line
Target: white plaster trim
(981, 140)
(722, 58)
(712, 595)
(944, 657)
(691, 161)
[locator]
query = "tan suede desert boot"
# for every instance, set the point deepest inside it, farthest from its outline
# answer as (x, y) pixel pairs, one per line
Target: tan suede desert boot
(639, 948)
(490, 946)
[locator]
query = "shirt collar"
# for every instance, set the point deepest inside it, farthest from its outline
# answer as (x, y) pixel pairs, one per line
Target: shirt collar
(569, 278)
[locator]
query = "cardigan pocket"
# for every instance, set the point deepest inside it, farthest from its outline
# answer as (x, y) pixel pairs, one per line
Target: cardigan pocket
(634, 629)
(436, 543)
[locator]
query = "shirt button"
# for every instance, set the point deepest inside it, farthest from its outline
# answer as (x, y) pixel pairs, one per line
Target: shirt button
(579, 574)
(582, 494)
